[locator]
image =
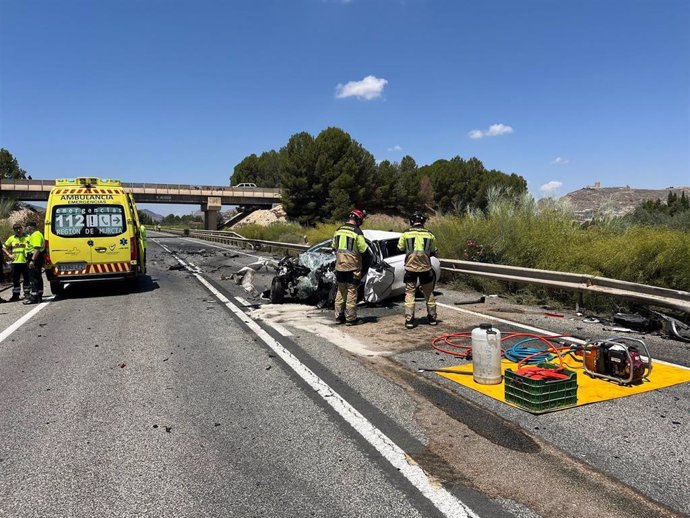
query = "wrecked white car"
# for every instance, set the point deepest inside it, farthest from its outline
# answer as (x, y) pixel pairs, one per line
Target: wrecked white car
(311, 277)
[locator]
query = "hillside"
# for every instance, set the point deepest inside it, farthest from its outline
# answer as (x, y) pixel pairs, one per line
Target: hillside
(152, 215)
(614, 201)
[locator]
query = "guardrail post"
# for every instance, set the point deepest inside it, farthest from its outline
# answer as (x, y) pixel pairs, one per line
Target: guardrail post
(580, 302)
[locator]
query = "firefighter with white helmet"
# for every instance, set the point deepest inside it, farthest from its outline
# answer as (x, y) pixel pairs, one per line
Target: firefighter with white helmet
(419, 245)
(349, 246)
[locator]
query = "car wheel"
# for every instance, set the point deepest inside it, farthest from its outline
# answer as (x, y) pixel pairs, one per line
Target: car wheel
(277, 291)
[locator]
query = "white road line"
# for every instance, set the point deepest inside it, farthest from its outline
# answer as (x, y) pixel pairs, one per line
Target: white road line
(504, 321)
(536, 329)
(280, 329)
(7, 332)
(444, 501)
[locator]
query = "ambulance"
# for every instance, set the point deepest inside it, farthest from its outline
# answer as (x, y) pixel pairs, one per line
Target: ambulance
(92, 232)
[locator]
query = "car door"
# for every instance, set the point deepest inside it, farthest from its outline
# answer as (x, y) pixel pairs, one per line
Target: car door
(380, 278)
(396, 259)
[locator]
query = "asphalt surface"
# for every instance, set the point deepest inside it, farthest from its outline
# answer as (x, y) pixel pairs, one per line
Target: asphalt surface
(161, 403)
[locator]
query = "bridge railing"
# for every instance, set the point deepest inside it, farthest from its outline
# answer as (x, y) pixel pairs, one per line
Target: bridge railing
(154, 188)
(578, 282)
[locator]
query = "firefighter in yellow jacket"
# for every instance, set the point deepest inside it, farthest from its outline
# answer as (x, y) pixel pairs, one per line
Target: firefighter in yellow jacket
(419, 246)
(349, 245)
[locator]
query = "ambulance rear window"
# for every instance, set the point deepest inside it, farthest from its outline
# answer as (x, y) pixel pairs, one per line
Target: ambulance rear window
(88, 220)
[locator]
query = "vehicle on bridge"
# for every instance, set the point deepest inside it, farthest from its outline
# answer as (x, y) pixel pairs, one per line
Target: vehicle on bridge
(92, 232)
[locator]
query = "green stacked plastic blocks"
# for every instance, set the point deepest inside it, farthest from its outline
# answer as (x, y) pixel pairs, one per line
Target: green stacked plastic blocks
(539, 396)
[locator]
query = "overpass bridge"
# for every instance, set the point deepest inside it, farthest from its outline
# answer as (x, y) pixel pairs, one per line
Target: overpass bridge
(210, 197)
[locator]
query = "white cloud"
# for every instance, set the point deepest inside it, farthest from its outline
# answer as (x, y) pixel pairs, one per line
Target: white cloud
(476, 134)
(550, 186)
(368, 88)
(494, 131)
(395, 148)
(560, 161)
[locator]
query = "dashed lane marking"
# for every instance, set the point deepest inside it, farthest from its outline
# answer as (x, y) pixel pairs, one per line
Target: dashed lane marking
(443, 500)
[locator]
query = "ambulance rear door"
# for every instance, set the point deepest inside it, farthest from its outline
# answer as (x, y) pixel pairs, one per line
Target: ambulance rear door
(109, 239)
(68, 250)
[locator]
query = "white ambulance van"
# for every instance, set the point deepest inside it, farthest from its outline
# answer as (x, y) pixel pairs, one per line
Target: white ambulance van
(92, 232)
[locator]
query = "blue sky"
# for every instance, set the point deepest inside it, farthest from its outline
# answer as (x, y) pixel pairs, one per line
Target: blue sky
(562, 93)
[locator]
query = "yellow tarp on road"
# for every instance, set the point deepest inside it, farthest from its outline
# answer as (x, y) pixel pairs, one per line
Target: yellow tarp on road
(589, 390)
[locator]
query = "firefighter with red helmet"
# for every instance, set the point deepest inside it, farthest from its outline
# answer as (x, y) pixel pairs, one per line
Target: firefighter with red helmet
(349, 246)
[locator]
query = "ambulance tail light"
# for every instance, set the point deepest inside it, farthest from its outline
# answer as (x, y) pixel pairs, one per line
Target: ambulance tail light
(132, 250)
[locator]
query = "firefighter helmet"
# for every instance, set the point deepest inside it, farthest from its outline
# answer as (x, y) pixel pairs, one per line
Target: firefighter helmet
(358, 216)
(418, 218)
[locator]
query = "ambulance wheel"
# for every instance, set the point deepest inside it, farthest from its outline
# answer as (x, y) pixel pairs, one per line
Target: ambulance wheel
(133, 282)
(277, 291)
(57, 287)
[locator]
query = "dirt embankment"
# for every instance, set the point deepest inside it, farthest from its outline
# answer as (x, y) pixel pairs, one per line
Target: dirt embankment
(264, 218)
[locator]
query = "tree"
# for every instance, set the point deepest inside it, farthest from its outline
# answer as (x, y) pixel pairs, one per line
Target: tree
(324, 177)
(262, 170)
(301, 194)
(9, 167)
(144, 218)
(461, 184)
(385, 182)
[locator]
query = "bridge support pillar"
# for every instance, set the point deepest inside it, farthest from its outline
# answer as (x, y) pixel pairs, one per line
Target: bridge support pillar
(211, 212)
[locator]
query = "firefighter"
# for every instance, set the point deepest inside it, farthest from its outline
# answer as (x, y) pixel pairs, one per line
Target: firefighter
(349, 245)
(419, 246)
(35, 252)
(15, 250)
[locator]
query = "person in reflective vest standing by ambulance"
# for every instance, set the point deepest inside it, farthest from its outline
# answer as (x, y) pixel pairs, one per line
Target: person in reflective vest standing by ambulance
(35, 253)
(15, 250)
(349, 245)
(419, 246)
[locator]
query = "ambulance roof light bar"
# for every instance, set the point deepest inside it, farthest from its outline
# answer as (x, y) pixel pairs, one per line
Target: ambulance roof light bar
(87, 182)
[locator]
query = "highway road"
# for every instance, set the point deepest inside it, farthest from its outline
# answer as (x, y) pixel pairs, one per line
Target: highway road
(191, 397)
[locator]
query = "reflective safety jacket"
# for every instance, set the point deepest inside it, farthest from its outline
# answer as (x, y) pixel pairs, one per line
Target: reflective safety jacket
(144, 236)
(33, 242)
(419, 245)
(349, 245)
(16, 245)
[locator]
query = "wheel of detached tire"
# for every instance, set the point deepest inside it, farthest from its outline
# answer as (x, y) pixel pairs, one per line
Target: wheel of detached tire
(277, 291)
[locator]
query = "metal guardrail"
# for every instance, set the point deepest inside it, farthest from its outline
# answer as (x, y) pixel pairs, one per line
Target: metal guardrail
(580, 282)
(653, 295)
(232, 238)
